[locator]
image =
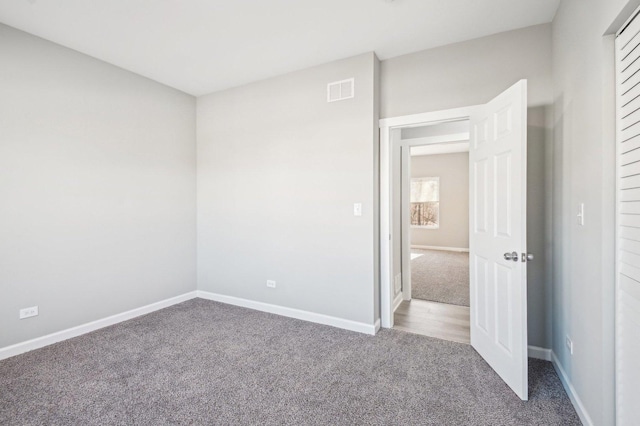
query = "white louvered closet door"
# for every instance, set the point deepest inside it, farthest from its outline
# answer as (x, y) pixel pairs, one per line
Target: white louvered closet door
(628, 225)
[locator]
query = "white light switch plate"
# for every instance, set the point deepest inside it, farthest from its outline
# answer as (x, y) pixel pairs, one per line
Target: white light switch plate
(357, 209)
(581, 214)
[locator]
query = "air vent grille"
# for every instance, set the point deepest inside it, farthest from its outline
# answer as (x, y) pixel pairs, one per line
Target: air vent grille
(340, 90)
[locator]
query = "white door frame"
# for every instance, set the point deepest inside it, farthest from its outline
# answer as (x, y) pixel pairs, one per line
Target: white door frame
(405, 221)
(405, 183)
(387, 126)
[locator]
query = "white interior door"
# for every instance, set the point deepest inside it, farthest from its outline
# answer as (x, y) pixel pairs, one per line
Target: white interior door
(497, 241)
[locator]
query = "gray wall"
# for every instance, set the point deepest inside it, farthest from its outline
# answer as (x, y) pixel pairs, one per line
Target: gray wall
(474, 72)
(97, 171)
(584, 172)
(468, 73)
(97, 182)
(279, 169)
(453, 171)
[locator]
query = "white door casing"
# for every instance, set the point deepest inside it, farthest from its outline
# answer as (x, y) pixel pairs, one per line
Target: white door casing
(497, 190)
(405, 154)
(389, 136)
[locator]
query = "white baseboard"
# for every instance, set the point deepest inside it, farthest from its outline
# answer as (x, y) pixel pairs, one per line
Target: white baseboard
(360, 327)
(458, 249)
(29, 345)
(397, 301)
(539, 353)
(573, 395)
(59, 336)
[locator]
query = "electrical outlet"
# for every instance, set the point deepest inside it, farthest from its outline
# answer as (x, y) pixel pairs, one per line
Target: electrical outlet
(271, 284)
(29, 312)
(569, 345)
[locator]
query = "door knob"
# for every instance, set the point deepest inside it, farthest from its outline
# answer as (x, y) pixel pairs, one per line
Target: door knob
(527, 257)
(511, 256)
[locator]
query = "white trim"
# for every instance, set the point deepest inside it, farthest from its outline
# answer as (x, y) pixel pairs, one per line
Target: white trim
(405, 220)
(387, 126)
(460, 249)
(628, 21)
(360, 327)
(415, 120)
(539, 353)
(376, 325)
(573, 395)
(438, 149)
(59, 336)
(617, 242)
(397, 301)
(446, 140)
(387, 284)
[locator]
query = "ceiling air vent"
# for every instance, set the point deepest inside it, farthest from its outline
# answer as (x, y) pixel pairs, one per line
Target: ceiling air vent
(340, 90)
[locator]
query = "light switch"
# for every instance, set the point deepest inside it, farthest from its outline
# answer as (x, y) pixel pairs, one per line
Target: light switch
(581, 214)
(357, 209)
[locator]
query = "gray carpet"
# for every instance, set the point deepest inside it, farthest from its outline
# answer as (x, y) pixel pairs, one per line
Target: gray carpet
(440, 276)
(202, 362)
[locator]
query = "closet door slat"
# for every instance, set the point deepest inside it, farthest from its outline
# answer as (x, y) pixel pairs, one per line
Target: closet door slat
(628, 223)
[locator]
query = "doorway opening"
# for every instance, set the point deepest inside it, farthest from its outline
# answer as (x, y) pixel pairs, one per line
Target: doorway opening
(434, 223)
(497, 227)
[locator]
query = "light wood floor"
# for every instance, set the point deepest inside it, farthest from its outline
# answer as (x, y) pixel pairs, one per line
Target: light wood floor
(448, 322)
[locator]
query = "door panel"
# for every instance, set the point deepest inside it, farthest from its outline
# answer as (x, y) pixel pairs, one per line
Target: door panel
(497, 161)
(503, 307)
(480, 270)
(502, 195)
(480, 175)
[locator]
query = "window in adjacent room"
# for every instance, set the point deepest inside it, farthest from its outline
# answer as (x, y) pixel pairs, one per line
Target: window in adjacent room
(425, 202)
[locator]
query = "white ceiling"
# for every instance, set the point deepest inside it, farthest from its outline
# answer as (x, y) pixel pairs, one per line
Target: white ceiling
(201, 46)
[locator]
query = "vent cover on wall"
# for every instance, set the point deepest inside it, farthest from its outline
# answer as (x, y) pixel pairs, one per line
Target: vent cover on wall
(340, 90)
